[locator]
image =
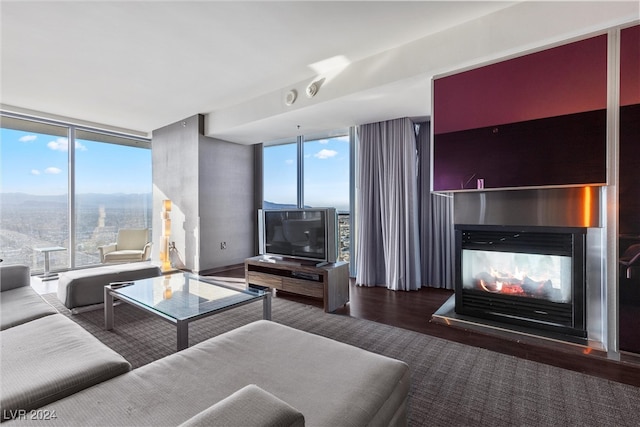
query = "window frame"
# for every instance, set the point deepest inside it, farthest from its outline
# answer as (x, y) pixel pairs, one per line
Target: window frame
(39, 124)
(299, 141)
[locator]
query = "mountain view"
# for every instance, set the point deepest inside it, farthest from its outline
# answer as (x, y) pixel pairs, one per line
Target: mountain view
(32, 221)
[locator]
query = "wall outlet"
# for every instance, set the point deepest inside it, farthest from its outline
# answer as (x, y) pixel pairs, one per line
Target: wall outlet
(223, 245)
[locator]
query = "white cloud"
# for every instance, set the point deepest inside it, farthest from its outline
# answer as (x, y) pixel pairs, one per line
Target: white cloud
(325, 154)
(52, 170)
(35, 172)
(62, 144)
(343, 138)
(288, 162)
(27, 138)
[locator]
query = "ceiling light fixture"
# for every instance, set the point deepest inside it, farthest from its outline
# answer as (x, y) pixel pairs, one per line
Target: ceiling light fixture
(312, 89)
(291, 96)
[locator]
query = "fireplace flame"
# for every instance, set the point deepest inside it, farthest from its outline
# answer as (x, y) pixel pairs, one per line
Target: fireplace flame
(516, 283)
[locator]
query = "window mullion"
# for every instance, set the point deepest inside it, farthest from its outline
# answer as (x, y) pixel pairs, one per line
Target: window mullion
(300, 172)
(72, 196)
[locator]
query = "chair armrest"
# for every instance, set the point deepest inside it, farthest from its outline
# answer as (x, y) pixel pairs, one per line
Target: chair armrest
(249, 406)
(146, 251)
(103, 250)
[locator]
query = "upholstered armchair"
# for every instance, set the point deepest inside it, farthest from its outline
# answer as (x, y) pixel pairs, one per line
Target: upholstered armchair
(131, 246)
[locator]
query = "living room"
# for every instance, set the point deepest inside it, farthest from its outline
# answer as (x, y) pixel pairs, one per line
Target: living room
(214, 178)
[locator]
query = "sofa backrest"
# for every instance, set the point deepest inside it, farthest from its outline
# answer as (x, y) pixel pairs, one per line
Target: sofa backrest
(132, 239)
(14, 276)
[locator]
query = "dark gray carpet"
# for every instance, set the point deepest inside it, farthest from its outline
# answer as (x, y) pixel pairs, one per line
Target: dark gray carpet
(452, 384)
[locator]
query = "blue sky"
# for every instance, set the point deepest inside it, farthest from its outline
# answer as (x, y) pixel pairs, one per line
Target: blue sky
(326, 173)
(37, 164)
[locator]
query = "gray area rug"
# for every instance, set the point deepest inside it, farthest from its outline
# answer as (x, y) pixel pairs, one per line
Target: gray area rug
(452, 384)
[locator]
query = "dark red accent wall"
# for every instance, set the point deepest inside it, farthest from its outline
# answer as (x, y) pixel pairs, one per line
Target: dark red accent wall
(534, 120)
(630, 66)
(563, 150)
(629, 171)
(567, 79)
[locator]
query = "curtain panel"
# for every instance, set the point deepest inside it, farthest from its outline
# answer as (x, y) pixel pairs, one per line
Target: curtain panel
(388, 242)
(437, 235)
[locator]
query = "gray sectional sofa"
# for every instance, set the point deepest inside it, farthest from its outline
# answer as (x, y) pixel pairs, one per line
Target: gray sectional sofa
(45, 355)
(261, 374)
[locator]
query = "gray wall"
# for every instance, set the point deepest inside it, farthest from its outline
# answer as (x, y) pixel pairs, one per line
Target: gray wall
(211, 185)
(227, 212)
(174, 154)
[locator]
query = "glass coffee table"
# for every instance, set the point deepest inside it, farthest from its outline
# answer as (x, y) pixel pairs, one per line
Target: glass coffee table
(180, 299)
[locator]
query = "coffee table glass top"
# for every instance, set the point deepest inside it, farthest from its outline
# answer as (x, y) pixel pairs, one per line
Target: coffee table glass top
(183, 295)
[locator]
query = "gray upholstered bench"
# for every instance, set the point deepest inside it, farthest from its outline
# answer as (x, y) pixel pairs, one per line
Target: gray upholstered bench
(81, 288)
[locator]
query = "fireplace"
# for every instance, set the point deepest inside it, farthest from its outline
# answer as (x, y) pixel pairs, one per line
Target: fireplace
(531, 277)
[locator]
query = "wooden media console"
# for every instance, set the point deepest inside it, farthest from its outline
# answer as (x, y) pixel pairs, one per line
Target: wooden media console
(329, 282)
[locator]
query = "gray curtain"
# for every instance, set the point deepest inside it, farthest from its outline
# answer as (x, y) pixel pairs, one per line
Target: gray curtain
(387, 243)
(437, 237)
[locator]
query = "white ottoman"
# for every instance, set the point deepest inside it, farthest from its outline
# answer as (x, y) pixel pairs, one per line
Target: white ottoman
(80, 288)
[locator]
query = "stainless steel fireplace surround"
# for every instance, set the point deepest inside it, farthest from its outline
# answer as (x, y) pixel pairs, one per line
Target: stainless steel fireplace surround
(574, 210)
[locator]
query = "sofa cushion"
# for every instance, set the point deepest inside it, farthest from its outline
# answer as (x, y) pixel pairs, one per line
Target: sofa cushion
(249, 406)
(21, 305)
(125, 255)
(79, 288)
(329, 382)
(50, 358)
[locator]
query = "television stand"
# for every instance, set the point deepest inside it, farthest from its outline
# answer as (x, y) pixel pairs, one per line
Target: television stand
(328, 282)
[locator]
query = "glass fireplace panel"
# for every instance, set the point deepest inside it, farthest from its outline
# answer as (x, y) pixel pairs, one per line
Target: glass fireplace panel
(546, 277)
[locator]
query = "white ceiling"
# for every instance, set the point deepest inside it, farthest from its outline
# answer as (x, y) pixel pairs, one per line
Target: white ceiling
(142, 65)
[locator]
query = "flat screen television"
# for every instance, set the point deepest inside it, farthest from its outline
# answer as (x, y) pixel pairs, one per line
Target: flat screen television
(307, 234)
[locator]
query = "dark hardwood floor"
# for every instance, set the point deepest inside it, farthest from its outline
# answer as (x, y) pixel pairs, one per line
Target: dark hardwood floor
(413, 310)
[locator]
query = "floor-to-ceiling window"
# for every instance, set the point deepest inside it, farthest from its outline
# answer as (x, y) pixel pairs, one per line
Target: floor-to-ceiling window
(313, 171)
(325, 182)
(326, 172)
(34, 193)
(51, 196)
(280, 171)
(112, 188)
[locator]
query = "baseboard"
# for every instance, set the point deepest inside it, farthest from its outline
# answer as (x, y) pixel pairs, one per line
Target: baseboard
(213, 271)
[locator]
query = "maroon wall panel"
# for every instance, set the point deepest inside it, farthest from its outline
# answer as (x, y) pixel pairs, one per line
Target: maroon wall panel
(630, 66)
(563, 150)
(629, 172)
(535, 120)
(567, 79)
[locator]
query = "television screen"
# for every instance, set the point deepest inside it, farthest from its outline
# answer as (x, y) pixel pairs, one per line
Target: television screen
(299, 233)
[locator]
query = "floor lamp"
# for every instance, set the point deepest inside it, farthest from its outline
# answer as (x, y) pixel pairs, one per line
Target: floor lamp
(166, 235)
